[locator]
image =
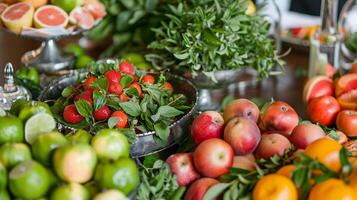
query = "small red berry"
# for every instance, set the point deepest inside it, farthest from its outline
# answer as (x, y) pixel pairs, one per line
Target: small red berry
(137, 87)
(86, 95)
(113, 76)
(126, 67)
(124, 97)
(71, 115)
(122, 119)
(167, 86)
(102, 114)
(148, 79)
(89, 81)
(115, 88)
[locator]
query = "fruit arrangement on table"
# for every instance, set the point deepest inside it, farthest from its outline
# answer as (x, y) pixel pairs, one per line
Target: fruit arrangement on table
(36, 161)
(19, 16)
(117, 95)
(302, 33)
(252, 153)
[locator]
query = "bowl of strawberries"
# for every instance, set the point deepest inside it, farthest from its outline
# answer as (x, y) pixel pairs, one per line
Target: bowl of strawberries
(152, 109)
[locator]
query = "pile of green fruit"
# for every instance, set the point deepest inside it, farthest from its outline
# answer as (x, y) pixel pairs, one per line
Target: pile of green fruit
(37, 162)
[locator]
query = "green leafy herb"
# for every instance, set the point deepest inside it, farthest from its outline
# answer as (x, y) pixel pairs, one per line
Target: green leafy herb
(207, 36)
(132, 108)
(126, 80)
(99, 100)
(158, 183)
(68, 91)
(84, 108)
(112, 121)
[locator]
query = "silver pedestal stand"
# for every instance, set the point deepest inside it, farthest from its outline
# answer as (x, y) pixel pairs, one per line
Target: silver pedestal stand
(48, 58)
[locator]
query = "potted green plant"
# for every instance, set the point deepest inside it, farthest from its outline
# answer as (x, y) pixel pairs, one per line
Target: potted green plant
(213, 43)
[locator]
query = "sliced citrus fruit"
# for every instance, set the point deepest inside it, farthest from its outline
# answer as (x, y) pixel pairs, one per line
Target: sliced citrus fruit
(345, 84)
(318, 86)
(110, 195)
(50, 16)
(95, 8)
(2, 7)
(38, 124)
(36, 3)
(81, 18)
(353, 68)
(348, 101)
(18, 16)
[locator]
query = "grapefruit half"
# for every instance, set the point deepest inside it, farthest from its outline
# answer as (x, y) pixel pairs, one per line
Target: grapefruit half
(81, 18)
(348, 101)
(2, 8)
(318, 86)
(18, 16)
(95, 8)
(345, 84)
(36, 3)
(50, 16)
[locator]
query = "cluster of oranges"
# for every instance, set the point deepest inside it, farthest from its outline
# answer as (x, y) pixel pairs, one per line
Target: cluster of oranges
(280, 185)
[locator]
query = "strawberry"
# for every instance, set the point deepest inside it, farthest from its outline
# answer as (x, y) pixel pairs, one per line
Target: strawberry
(126, 67)
(102, 114)
(71, 115)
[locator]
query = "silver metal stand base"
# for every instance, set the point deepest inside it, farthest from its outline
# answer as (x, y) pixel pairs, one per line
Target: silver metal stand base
(48, 59)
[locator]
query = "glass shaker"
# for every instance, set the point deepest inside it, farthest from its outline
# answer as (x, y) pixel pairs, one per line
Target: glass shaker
(11, 92)
(347, 27)
(324, 45)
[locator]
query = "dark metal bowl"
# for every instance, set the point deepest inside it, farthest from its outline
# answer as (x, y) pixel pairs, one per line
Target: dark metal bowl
(145, 143)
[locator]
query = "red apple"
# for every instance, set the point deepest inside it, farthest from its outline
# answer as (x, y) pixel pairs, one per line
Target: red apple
(280, 117)
(304, 134)
(199, 188)
(182, 166)
(213, 157)
(323, 110)
(207, 125)
(242, 134)
(272, 144)
(241, 108)
(246, 162)
(347, 122)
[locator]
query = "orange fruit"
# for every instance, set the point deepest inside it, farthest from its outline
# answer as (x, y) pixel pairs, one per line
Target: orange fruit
(275, 187)
(353, 180)
(326, 151)
(286, 171)
(332, 189)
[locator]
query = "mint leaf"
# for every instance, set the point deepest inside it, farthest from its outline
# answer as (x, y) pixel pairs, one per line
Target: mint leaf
(131, 108)
(68, 91)
(101, 84)
(132, 92)
(99, 100)
(84, 108)
(214, 191)
(162, 131)
(126, 80)
(112, 122)
(166, 111)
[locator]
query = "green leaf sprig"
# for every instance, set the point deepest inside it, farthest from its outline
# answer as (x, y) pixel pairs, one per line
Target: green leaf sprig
(211, 35)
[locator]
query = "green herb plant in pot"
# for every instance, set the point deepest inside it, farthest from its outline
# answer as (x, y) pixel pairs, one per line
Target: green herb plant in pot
(214, 44)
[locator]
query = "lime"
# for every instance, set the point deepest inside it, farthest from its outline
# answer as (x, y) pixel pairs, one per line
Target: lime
(110, 195)
(33, 75)
(92, 188)
(121, 174)
(134, 58)
(18, 105)
(37, 125)
(43, 147)
(71, 191)
(83, 61)
(143, 66)
(2, 112)
(110, 144)
(29, 180)
(53, 179)
(67, 5)
(75, 49)
(11, 130)
(79, 136)
(12, 154)
(4, 195)
(3, 177)
(33, 108)
(75, 162)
